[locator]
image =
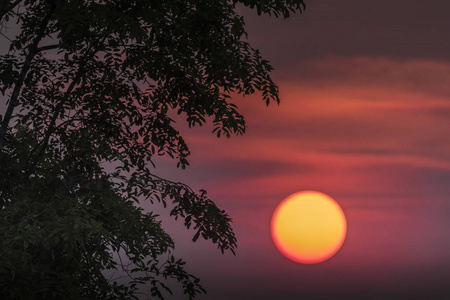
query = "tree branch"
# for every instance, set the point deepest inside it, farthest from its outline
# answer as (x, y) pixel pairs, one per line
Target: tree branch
(49, 47)
(52, 126)
(33, 50)
(7, 8)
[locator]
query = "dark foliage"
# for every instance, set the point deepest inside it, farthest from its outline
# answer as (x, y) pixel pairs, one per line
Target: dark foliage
(89, 85)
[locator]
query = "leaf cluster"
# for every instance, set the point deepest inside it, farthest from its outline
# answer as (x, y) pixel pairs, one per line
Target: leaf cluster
(90, 87)
(67, 224)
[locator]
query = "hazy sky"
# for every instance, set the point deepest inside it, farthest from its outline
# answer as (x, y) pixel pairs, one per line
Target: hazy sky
(364, 118)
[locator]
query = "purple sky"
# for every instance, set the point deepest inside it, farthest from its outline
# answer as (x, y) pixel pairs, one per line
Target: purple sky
(364, 118)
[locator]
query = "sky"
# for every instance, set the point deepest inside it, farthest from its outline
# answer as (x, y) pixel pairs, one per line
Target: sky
(364, 118)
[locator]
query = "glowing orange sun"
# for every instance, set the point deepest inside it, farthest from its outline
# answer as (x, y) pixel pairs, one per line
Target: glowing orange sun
(308, 227)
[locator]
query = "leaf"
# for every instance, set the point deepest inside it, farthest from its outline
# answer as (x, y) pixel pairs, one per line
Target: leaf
(103, 98)
(196, 236)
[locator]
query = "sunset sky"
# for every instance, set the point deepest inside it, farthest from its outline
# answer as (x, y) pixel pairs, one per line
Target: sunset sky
(364, 118)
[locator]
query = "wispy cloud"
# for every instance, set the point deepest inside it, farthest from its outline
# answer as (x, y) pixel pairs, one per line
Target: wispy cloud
(370, 132)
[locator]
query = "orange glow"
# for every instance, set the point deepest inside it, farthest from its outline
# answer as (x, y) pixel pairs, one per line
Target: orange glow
(308, 227)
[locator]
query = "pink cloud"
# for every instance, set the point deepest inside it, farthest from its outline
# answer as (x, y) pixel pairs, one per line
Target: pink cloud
(371, 133)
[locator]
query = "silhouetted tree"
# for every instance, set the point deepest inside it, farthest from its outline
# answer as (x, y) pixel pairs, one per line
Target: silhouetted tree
(89, 84)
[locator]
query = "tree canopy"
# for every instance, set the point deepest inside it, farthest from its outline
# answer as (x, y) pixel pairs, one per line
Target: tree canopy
(88, 86)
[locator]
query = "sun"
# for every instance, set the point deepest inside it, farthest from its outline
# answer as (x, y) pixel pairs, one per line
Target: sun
(308, 227)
